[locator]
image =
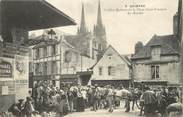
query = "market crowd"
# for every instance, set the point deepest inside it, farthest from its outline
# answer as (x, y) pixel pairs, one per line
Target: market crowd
(45, 100)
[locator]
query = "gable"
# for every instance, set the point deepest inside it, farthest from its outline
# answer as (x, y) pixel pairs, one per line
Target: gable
(112, 58)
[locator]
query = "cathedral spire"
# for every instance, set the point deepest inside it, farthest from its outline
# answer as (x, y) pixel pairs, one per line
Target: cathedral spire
(82, 28)
(99, 16)
(99, 28)
(99, 31)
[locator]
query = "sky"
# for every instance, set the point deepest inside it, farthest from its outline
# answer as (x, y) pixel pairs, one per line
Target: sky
(123, 30)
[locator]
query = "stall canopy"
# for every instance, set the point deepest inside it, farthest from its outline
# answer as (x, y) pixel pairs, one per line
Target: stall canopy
(32, 15)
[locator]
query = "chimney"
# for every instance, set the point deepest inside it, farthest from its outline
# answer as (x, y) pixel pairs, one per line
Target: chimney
(138, 47)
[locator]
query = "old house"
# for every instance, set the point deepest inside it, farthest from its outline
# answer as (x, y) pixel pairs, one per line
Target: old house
(112, 68)
(158, 61)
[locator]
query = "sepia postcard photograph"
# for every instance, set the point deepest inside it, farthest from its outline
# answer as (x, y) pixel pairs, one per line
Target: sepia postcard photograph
(91, 58)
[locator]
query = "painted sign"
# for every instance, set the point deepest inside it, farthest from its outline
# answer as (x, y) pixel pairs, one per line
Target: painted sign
(5, 69)
(21, 67)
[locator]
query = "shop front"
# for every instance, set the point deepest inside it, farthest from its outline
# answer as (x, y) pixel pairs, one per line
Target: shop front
(115, 83)
(151, 83)
(52, 79)
(69, 79)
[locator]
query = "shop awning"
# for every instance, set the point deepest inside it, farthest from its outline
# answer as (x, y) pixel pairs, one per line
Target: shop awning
(115, 83)
(69, 76)
(32, 15)
(85, 73)
(152, 82)
(44, 77)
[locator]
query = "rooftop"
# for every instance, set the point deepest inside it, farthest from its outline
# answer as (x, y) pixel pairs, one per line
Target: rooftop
(32, 15)
(169, 46)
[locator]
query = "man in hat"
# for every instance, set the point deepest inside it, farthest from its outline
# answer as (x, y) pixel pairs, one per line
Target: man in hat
(20, 106)
(28, 109)
(110, 98)
(149, 102)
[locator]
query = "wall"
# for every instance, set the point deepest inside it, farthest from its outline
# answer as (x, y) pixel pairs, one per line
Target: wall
(122, 71)
(168, 71)
(76, 63)
(14, 77)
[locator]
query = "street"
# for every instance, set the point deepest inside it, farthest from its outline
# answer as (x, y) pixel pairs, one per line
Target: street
(120, 112)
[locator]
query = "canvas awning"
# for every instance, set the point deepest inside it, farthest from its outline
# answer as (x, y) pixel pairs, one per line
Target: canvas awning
(32, 15)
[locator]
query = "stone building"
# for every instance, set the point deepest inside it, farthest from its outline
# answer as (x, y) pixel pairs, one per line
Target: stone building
(158, 61)
(16, 19)
(58, 61)
(78, 53)
(112, 68)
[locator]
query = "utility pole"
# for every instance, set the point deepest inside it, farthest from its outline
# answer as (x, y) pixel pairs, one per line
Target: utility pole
(180, 35)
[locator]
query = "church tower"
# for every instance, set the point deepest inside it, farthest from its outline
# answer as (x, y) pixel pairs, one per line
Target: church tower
(82, 29)
(99, 31)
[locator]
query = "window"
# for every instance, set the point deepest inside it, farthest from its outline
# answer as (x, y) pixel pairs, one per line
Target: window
(155, 72)
(155, 53)
(67, 57)
(45, 68)
(45, 51)
(37, 53)
(111, 71)
(100, 71)
(53, 49)
(54, 67)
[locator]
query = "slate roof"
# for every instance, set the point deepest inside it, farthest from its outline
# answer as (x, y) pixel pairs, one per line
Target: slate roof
(77, 40)
(72, 39)
(169, 46)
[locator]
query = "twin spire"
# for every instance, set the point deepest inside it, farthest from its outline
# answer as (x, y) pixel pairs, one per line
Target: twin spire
(83, 28)
(99, 16)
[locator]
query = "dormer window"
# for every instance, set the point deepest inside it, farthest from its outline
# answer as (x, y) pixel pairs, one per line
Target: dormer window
(155, 52)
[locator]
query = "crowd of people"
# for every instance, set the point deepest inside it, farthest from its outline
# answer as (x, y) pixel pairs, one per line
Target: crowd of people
(45, 100)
